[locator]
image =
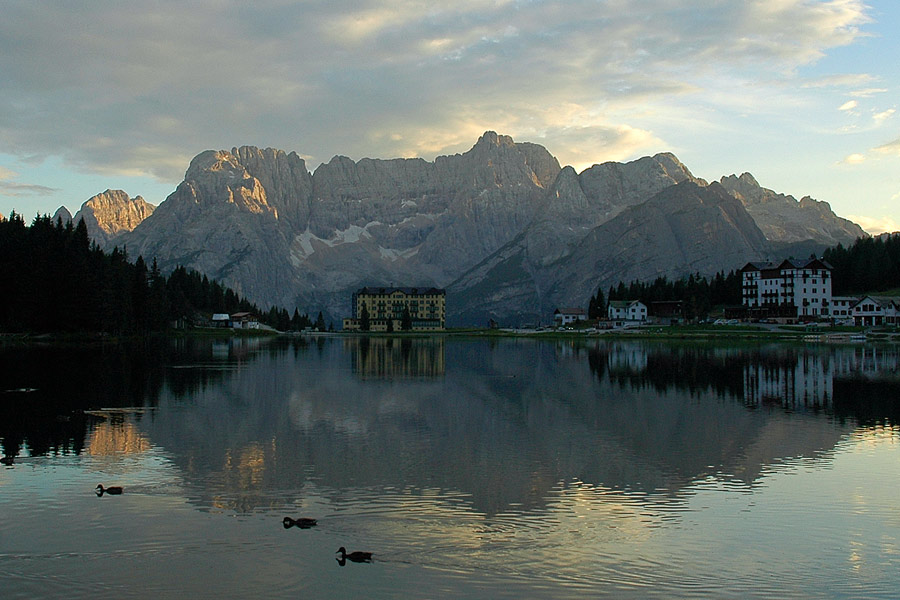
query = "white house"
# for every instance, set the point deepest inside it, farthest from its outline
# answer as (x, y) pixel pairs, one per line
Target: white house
(876, 310)
(221, 320)
(842, 307)
(627, 310)
(565, 316)
(795, 289)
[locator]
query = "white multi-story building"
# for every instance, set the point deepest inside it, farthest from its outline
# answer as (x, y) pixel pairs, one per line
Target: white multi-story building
(793, 289)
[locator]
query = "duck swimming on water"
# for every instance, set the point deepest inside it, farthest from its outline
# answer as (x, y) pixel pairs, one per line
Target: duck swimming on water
(115, 490)
(358, 557)
(302, 522)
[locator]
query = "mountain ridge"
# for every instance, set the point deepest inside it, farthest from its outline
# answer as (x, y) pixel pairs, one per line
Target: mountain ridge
(260, 222)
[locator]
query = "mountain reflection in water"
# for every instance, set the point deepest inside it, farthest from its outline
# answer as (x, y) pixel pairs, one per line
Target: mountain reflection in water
(505, 420)
(488, 467)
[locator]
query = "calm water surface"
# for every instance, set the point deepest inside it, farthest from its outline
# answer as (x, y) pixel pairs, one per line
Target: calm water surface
(469, 467)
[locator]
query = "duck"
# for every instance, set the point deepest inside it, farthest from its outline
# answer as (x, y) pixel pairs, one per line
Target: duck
(353, 556)
(302, 522)
(115, 490)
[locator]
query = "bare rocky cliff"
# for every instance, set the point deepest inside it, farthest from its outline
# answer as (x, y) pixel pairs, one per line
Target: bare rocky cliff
(785, 219)
(110, 214)
(261, 223)
(684, 228)
(507, 230)
(62, 214)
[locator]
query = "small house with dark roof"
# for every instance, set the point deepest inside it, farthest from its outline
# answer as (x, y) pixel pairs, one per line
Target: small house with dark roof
(567, 316)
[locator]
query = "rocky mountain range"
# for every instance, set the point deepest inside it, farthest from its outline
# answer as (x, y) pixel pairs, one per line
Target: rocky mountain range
(108, 215)
(503, 227)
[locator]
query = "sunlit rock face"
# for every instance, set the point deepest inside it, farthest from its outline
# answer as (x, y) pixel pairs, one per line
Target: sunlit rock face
(500, 226)
(261, 223)
(110, 214)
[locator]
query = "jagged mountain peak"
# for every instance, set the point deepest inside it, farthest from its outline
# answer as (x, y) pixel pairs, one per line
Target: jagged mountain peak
(500, 215)
(62, 213)
(492, 138)
(214, 161)
(111, 214)
(783, 218)
(746, 189)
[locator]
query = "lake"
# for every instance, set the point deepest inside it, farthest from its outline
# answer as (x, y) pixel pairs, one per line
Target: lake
(469, 467)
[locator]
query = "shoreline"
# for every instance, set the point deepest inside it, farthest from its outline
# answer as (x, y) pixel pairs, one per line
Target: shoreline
(823, 335)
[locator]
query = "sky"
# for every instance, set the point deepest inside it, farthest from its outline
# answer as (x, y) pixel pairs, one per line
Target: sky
(114, 94)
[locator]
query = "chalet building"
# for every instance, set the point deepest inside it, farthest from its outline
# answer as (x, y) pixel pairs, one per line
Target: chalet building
(626, 310)
(667, 311)
(384, 308)
(792, 289)
(842, 308)
(239, 320)
(876, 310)
(244, 320)
(567, 316)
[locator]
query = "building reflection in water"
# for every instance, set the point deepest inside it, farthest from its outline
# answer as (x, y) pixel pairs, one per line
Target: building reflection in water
(396, 357)
(116, 435)
(786, 375)
(805, 379)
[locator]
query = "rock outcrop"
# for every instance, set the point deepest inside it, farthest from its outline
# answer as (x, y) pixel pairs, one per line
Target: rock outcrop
(258, 221)
(62, 214)
(684, 228)
(784, 219)
(110, 214)
(502, 226)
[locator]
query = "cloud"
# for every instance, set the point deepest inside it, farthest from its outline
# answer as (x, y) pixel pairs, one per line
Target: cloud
(875, 225)
(854, 159)
(141, 88)
(867, 92)
(850, 105)
(16, 189)
(844, 80)
(883, 116)
(890, 148)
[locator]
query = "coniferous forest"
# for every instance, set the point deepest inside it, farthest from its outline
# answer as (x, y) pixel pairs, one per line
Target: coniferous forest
(697, 293)
(56, 280)
(870, 265)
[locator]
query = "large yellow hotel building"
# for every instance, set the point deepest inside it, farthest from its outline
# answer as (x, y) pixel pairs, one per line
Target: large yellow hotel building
(384, 309)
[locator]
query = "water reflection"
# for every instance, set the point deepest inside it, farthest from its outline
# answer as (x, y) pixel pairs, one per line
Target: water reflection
(389, 357)
(511, 468)
(116, 437)
(504, 421)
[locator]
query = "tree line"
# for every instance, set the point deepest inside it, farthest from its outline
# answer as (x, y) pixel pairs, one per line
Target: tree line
(868, 265)
(697, 293)
(57, 280)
